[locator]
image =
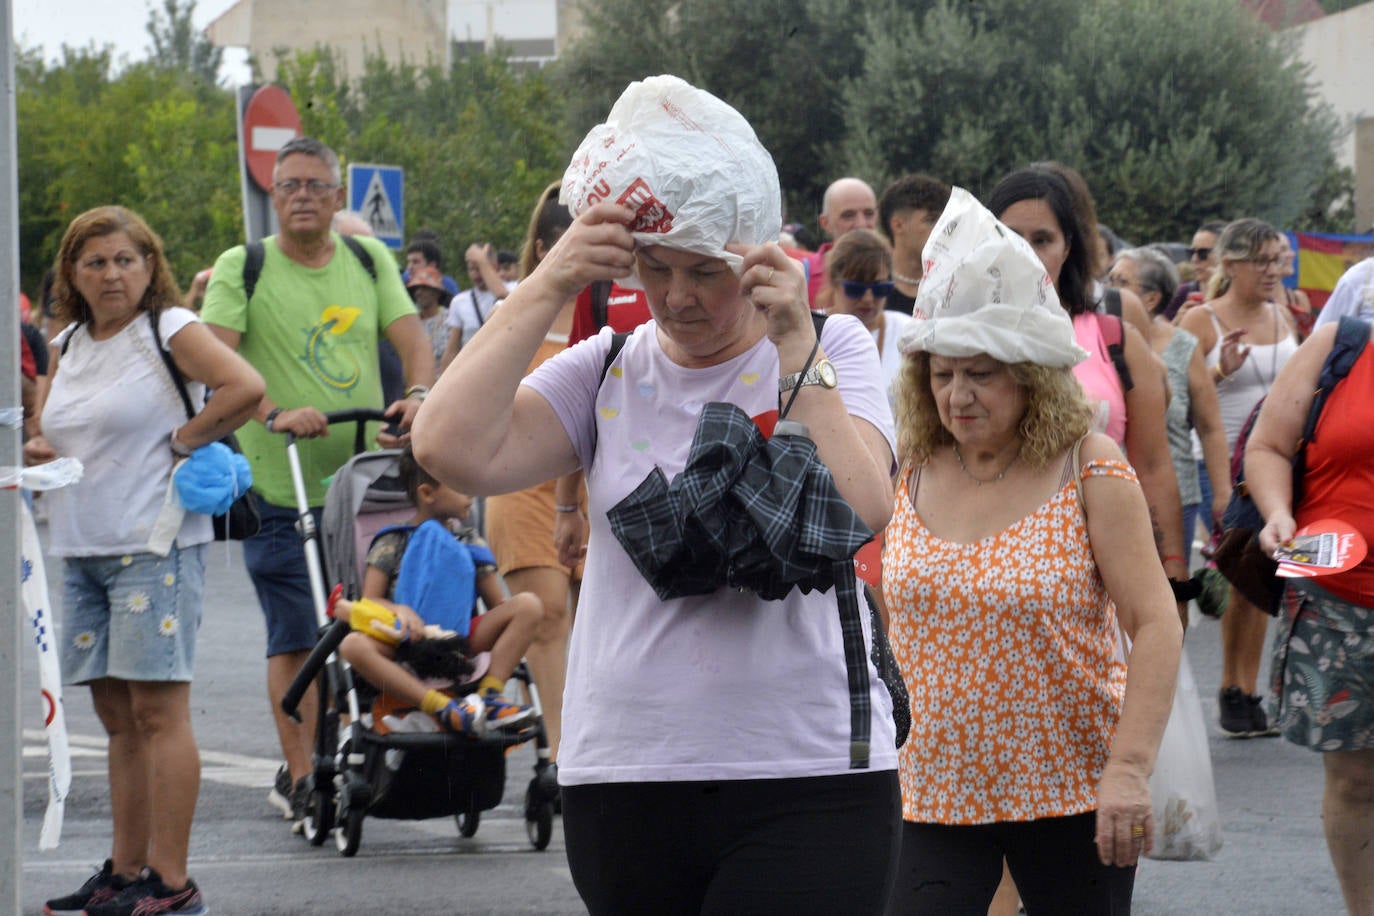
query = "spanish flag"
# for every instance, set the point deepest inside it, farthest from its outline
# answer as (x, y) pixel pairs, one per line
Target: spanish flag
(1323, 258)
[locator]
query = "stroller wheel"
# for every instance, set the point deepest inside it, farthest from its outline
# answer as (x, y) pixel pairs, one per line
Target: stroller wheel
(319, 815)
(468, 822)
(348, 836)
(538, 820)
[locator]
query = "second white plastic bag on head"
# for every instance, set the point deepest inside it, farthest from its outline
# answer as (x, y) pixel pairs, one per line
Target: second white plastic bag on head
(688, 164)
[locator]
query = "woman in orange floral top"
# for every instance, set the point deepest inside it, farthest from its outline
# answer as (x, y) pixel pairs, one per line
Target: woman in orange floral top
(1013, 563)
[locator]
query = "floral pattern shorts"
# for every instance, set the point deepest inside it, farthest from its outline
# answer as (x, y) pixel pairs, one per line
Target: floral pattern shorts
(133, 617)
(1323, 670)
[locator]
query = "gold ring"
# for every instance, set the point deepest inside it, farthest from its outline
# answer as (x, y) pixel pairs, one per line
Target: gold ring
(1138, 831)
(771, 271)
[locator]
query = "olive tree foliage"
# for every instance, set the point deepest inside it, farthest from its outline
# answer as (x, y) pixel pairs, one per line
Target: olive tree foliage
(1175, 111)
(178, 45)
(781, 63)
(145, 137)
(479, 140)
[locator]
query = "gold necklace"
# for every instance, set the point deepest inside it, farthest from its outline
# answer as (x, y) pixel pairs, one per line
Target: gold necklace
(978, 480)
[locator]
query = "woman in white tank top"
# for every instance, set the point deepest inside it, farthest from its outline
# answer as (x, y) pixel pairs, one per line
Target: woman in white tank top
(1247, 339)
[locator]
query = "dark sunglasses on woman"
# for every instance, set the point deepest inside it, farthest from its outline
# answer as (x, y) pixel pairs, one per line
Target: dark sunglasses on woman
(853, 289)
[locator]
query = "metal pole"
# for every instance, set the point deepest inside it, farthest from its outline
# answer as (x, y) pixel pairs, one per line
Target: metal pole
(11, 642)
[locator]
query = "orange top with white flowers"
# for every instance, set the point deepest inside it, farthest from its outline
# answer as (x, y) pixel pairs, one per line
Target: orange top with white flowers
(1008, 647)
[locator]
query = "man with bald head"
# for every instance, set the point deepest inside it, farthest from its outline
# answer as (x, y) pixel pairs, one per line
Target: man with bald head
(849, 203)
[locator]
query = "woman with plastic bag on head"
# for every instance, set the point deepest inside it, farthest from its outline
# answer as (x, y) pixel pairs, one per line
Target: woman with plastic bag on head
(1012, 554)
(727, 745)
(133, 557)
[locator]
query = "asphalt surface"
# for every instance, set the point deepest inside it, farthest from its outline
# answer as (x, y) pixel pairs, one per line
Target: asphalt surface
(246, 861)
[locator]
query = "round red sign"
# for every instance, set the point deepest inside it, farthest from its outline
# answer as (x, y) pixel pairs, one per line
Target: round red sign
(270, 121)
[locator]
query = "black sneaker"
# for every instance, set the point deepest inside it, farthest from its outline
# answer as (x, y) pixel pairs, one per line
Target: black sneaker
(99, 887)
(280, 796)
(300, 800)
(1237, 715)
(1259, 722)
(148, 896)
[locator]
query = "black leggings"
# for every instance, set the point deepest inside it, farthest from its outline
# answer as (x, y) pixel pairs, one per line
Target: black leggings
(955, 870)
(818, 845)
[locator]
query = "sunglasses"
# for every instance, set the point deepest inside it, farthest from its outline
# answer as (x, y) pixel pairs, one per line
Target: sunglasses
(1200, 254)
(853, 289)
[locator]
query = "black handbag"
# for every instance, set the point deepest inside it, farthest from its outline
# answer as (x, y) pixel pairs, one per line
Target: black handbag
(243, 520)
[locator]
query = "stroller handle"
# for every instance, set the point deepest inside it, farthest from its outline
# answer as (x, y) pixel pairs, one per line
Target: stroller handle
(359, 415)
(329, 641)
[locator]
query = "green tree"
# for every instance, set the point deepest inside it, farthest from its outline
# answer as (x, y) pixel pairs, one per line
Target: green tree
(144, 138)
(1175, 111)
(476, 139)
(178, 45)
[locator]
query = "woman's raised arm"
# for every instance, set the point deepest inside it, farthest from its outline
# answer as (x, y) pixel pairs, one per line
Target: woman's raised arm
(478, 430)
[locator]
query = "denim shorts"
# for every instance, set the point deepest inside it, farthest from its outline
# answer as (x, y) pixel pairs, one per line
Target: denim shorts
(132, 617)
(275, 558)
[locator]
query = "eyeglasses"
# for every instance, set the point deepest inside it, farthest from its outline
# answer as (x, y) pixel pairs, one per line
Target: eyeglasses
(1120, 282)
(1267, 263)
(314, 187)
(1200, 254)
(853, 289)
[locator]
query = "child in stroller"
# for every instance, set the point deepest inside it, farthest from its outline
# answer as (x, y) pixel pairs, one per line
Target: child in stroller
(418, 592)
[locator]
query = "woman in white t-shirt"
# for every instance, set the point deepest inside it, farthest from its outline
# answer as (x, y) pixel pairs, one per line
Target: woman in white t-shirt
(706, 754)
(130, 615)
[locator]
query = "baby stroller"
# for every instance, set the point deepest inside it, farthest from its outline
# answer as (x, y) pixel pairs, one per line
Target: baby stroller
(360, 768)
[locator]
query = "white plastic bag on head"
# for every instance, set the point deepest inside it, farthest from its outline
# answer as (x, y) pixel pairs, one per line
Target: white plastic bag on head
(689, 165)
(984, 290)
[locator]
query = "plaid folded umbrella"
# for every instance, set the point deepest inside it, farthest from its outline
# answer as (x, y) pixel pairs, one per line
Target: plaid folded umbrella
(752, 513)
(746, 512)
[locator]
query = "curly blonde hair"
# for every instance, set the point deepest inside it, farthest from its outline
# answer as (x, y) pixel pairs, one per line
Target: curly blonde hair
(1057, 413)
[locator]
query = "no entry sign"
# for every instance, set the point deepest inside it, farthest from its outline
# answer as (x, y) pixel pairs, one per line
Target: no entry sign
(270, 121)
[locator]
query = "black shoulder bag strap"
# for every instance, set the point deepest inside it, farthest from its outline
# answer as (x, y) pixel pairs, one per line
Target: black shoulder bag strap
(154, 319)
(1116, 349)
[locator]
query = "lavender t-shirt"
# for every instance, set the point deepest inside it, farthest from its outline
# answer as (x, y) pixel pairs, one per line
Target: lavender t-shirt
(720, 686)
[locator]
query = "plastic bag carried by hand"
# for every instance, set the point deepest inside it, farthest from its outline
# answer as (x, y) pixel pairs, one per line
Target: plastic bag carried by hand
(212, 478)
(1187, 821)
(688, 164)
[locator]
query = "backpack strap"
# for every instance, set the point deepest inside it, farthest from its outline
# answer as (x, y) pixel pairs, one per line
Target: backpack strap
(255, 254)
(361, 253)
(601, 297)
(1113, 334)
(617, 344)
(1351, 336)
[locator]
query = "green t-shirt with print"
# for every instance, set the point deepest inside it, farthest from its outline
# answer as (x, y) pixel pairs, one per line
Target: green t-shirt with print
(312, 333)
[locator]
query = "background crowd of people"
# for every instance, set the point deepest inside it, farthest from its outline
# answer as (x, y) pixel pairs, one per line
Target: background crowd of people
(1066, 409)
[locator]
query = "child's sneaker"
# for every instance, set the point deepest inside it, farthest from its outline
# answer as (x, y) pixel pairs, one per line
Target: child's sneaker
(501, 712)
(99, 887)
(148, 896)
(467, 716)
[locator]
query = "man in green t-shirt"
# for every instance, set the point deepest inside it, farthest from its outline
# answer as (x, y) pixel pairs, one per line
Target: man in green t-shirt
(311, 328)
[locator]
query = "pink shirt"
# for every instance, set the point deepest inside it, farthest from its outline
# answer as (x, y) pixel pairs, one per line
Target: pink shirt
(1098, 377)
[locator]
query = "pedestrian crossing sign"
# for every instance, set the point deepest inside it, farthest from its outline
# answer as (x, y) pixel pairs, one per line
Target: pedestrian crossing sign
(376, 193)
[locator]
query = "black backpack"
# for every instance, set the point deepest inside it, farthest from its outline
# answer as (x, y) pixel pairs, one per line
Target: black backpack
(255, 253)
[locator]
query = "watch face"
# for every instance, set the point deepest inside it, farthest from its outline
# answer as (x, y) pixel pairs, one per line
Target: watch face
(827, 373)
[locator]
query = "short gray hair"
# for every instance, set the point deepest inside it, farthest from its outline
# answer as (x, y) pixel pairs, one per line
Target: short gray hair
(1155, 270)
(309, 146)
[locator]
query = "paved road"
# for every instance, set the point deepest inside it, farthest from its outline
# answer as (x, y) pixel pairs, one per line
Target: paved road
(1274, 860)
